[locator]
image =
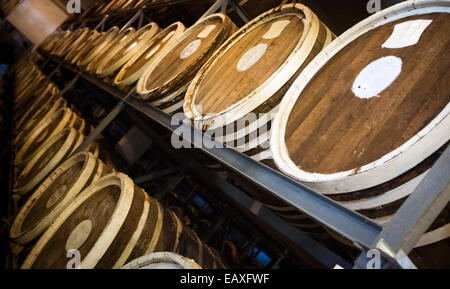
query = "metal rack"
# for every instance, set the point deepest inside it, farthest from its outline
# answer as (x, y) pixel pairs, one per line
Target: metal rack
(394, 241)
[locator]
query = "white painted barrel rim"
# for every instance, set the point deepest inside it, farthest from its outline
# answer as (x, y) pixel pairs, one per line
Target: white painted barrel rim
(165, 259)
(272, 84)
(178, 31)
(142, 82)
(392, 164)
(23, 237)
(110, 231)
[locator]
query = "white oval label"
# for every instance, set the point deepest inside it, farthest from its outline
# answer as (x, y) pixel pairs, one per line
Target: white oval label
(79, 235)
(190, 49)
(276, 29)
(251, 57)
(406, 34)
(377, 76)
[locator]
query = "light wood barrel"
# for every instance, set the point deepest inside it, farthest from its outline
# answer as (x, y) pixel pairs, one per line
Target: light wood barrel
(60, 38)
(49, 155)
(122, 52)
(162, 260)
(102, 44)
(76, 47)
(120, 39)
(55, 193)
(169, 74)
(136, 66)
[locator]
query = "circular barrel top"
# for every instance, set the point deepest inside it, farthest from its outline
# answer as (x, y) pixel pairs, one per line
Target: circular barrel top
(53, 195)
(99, 46)
(131, 71)
(88, 225)
(373, 104)
(173, 69)
(162, 260)
(124, 50)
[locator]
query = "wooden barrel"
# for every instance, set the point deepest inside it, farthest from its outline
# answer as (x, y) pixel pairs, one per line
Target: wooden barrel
(47, 90)
(111, 222)
(121, 38)
(126, 49)
(49, 95)
(169, 74)
(136, 66)
(162, 260)
(46, 110)
(74, 39)
(49, 155)
(366, 136)
(254, 69)
(76, 47)
(98, 47)
(54, 194)
(59, 39)
(45, 130)
(87, 45)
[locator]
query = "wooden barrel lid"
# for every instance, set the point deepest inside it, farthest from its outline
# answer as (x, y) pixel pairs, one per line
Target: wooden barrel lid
(176, 67)
(253, 65)
(134, 68)
(43, 131)
(55, 193)
(99, 46)
(125, 50)
(105, 213)
(163, 260)
(341, 130)
(121, 38)
(51, 40)
(49, 156)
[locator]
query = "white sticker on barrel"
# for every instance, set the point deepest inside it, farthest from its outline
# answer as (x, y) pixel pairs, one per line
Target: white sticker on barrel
(276, 29)
(406, 34)
(153, 51)
(79, 235)
(251, 57)
(167, 37)
(56, 196)
(205, 32)
(377, 76)
(190, 49)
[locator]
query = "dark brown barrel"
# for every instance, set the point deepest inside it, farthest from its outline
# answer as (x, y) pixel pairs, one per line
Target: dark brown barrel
(110, 223)
(367, 135)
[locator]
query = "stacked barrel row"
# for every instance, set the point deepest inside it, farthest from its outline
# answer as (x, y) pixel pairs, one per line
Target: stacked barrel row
(52, 178)
(361, 128)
